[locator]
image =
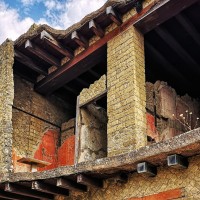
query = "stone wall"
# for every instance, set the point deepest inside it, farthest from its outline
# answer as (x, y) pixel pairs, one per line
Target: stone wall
(93, 133)
(175, 114)
(95, 89)
(6, 101)
(182, 184)
(126, 92)
(28, 130)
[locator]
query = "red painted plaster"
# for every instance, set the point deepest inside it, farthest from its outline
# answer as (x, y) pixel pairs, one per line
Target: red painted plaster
(66, 152)
(47, 150)
(167, 195)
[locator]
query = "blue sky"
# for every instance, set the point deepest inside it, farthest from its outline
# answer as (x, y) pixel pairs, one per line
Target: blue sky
(16, 16)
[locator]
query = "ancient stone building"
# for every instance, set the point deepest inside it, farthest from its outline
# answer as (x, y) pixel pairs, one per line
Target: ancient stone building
(106, 109)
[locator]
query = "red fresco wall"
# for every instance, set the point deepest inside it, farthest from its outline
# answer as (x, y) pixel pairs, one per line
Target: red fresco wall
(48, 151)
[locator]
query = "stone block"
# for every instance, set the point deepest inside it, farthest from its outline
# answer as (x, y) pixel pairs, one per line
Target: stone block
(167, 102)
(68, 125)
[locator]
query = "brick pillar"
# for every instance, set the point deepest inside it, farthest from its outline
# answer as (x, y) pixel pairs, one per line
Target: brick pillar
(6, 101)
(126, 93)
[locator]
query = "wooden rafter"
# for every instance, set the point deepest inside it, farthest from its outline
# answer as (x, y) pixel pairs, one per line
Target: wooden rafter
(113, 15)
(172, 42)
(165, 63)
(50, 189)
(33, 48)
(7, 195)
(96, 28)
(73, 69)
(89, 181)
(82, 82)
(68, 184)
(95, 74)
(165, 9)
(189, 27)
(21, 190)
(79, 39)
(52, 42)
(29, 63)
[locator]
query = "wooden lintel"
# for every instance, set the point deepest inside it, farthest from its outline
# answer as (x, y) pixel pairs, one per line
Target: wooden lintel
(75, 67)
(172, 42)
(68, 184)
(96, 28)
(79, 39)
(51, 41)
(189, 27)
(33, 48)
(114, 16)
(29, 63)
(89, 181)
(47, 188)
(8, 195)
(22, 190)
(165, 9)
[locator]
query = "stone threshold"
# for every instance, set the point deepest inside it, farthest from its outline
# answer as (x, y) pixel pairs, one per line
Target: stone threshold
(186, 144)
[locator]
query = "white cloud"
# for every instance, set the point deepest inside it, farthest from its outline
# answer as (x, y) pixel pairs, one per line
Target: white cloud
(73, 11)
(58, 14)
(10, 24)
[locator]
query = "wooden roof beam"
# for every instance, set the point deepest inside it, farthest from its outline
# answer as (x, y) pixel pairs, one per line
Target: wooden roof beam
(89, 181)
(7, 195)
(189, 27)
(52, 42)
(95, 74)
(172, 42)
(72, 90)
(47, 188)
(113, 15)
(96, 29)
(82, 82)
(31, 47)
(29, 63)
(22, 190)
(165, 63)
(165, 9)
(79, 39)
(64, 183)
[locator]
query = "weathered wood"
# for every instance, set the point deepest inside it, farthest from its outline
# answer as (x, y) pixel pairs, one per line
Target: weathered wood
(172, 42)
(31, 161)
(52, 42)
(22, 190)
(71, 70)
(7, 195)
(96, 28)
(68, 184)
(41, 54)
(114, 16)
(165, 9)
(79, 39)
(29, 63)
(51, 189)
(89, 181)
(189, 27)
